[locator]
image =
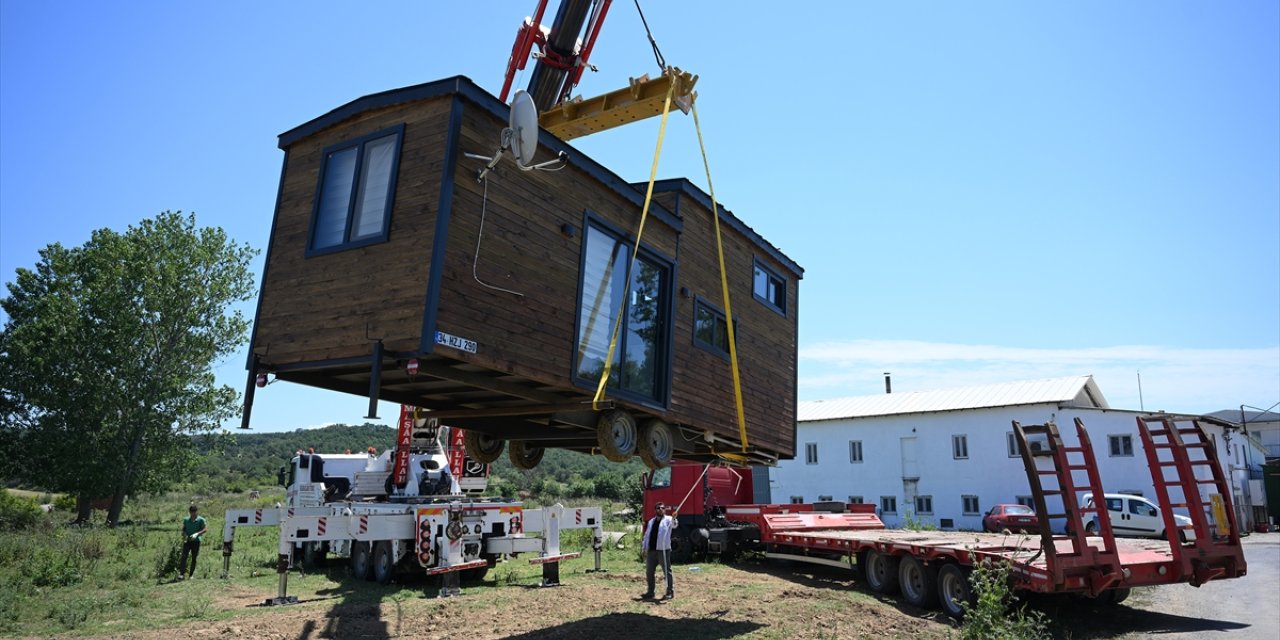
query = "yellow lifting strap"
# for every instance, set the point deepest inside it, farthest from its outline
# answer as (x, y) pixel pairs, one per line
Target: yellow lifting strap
(724, 289)
(626, 289)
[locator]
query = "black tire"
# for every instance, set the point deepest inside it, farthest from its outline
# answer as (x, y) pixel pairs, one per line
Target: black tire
(617, 435)
(482, 447)
(1105, 599)
(656, 446)
(473, 575)
(361, 560)
(881, 571)
(954, 590)
(681, 546)
(523, 455)
(384, 562)
(1091, 529)
(918, 581)
(314, 554)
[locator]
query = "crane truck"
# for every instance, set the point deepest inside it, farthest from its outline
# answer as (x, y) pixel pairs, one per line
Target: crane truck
(404, 510)
(931, 568)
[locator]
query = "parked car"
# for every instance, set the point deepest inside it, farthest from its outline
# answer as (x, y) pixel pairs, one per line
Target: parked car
(1014, 517)
(1135, 516)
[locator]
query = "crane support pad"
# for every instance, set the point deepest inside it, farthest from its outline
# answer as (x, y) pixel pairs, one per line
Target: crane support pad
(642, 99)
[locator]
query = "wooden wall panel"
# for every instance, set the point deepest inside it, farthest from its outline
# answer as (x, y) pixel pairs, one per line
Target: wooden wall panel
(318, 308)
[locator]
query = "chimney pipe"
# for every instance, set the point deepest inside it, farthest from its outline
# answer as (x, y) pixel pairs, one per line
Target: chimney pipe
(888, 388)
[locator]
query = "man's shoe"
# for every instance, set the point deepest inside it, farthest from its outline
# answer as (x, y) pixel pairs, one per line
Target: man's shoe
(668, 595)
(646, 596)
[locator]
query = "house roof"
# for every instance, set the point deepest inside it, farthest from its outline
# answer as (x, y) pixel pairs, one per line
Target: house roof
(1250, 417)
(1079, 391)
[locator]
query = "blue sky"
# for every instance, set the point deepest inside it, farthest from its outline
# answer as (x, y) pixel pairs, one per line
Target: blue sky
(979, 192)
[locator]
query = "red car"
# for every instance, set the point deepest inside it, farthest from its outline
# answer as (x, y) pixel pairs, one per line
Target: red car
(1014, 517)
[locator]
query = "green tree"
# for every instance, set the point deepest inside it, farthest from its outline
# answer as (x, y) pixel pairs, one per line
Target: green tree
(106, 359)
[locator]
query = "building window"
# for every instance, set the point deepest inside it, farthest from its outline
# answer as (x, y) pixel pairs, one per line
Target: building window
(769, 287)
(824, 498)
(640, 358)
(1027, 501)
(1015, 449)
(811, 453)
(924, 505)
(888, 504)
(855, 499)
(710, 329)
(960, 447)
(797, 499)
(357, 187)
(970, 505)
(1121, 445)
(855, 451)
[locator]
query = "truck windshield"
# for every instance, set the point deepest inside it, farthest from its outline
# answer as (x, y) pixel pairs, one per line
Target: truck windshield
(660, 478)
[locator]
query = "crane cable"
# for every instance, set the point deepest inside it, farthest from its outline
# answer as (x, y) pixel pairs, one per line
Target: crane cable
(644, 215)
(657, 54)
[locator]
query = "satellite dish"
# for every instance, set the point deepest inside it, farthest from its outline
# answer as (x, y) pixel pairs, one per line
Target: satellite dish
(523, 122)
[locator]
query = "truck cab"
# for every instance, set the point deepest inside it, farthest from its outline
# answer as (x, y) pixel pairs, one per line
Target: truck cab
(314, 479)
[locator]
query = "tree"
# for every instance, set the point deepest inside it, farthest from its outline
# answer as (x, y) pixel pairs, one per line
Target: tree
(106, 359)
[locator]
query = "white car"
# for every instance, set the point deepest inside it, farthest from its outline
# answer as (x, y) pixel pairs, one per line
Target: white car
(1135, 516)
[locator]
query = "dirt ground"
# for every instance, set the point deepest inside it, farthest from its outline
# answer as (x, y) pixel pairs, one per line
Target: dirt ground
(750, 600)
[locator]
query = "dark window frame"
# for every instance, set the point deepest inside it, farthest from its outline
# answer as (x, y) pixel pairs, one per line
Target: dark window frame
(888, 501)
(855, 446)
(359, 144)
(714, 349)
(662, 393)
(958, 441)
(927, 503)
(779, 306)
(964, 504)
(1122, 439)
(811, 448)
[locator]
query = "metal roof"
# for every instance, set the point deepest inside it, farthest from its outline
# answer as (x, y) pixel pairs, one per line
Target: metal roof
(1079, 391)
(1233, 416)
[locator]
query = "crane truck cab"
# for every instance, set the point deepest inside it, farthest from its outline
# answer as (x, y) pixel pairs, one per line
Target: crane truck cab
(314, 479)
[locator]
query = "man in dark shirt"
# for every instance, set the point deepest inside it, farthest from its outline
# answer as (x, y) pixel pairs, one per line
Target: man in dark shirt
(193, 528)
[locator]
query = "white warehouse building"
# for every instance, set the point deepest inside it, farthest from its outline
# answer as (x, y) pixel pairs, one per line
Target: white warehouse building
(945, 457)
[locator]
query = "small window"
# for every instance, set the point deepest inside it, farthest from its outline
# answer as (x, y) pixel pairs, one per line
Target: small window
(1027, 501)
(1140, 508)
(946, 523)
(357, 187)
(971, 507)
(797, 499)
(924, 505)
(769, 287)
(855, 451)
(960, 447)
(855, 499)
(888, 504)
(660, 478)
(824, 498)
(1015, 449)
(811, 453)
(1121, 445)
(710, 329)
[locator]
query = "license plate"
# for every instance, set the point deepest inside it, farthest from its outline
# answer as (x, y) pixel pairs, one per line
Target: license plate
(461, 344)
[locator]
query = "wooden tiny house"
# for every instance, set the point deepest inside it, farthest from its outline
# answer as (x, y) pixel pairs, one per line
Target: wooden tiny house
(394, 274)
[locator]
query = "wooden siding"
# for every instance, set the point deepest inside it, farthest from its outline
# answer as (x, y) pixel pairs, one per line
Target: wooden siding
(317, 308)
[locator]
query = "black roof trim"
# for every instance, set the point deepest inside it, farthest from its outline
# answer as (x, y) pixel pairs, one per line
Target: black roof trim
(684, 186)
(465, 87)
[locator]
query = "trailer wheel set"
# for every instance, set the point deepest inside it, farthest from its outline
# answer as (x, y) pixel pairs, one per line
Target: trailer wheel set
(618, 437)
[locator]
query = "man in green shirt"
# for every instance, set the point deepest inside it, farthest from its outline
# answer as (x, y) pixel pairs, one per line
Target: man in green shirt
(193, 528)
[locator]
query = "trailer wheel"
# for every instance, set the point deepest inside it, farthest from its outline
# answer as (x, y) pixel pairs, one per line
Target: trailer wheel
(656, 445)
(524, 455)
(919, 582)
(881, 570)
(384, 562)
(953, 590)
(1105, 599)
(361, 560)
(314, 554)
(616, 434)
(482, 447)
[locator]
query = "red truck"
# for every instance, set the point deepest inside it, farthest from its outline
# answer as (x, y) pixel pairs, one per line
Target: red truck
(719, 517)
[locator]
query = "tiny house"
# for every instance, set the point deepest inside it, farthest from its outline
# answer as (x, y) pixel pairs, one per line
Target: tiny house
(394, 273)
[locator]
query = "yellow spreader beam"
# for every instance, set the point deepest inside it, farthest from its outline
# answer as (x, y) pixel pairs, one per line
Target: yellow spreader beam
(642, 99)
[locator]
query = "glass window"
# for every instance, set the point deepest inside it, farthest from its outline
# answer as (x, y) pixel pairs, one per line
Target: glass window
(1028, 501)
(1015, 450)
(960, 447)
(797, 499)
(1115, 504)
(855, 499)
(924, 504)
(710, 330)
(769, 287)
(811, 453)
(971, 507)
(1121, 445)
(639, 359)
(1140, 508)
(855, 451)
(824, 498)
(660, 478)
(357, 181)
(888, 504)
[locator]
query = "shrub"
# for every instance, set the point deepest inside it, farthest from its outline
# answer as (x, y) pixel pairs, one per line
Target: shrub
(65, 503)
(50, 567)
(993, 614)
(167, 560)
(74, 613)
(10, 605)
(17, 512)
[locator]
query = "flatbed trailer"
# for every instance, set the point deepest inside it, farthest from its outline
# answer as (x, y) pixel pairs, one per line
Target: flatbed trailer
(932, 567)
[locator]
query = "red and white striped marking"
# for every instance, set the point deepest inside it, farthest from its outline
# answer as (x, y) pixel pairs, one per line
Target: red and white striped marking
(320, 527)
(290, 512)
(577, 516)
(364, 524)
(257, 516)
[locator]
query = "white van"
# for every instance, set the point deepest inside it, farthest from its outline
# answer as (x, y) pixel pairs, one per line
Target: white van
(1135, 516)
